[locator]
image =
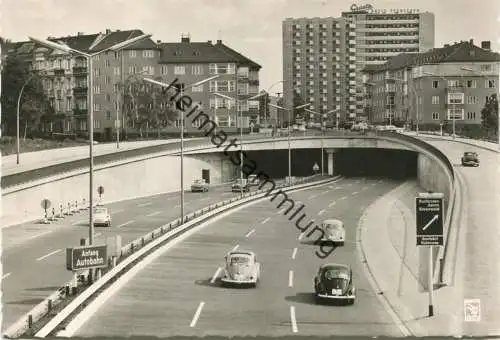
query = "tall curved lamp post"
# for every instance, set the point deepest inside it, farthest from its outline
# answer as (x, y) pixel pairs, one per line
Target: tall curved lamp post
(89, 56)
(182, 88)
(289, 142)
(18, 146)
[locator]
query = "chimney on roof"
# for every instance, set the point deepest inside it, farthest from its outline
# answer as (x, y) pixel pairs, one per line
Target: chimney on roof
(185, 38)
(108, 31)
(446, 45)
(471, 41)
(210, 42)
(486, 45)
(80, 33)
(219, 41)
(158, 41)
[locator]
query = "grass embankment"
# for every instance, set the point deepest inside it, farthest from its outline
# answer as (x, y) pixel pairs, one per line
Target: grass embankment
(8, 144)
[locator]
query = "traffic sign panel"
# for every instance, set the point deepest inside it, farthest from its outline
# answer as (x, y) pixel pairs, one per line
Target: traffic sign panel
(87, 257)
(46, 203)
(429, 218)
(100, 190)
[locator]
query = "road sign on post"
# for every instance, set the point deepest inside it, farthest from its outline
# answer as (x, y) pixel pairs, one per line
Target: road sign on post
(429, 216)
(315, 167)
(87, 257)
(100, 191)
(46, 205)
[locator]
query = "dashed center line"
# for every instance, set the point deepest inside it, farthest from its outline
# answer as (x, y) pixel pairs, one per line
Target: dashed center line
(281, 211)
(301, 236)
(338, 188)
(49, 254)
(290, 278)
(78, 222)
(216, 274)
(39, 235)
(332, 204)
(235, 247)
(266, 220)
(354, 193)
(364, 188)
(250, 233)
(294, 253)
(374, 184)
(349, 184)
(6, 275)
(293, 320)
(343, 197)
(145, 204)
(177, 206)
(117, 211)
(126, 223)
(197, 314)
(326, 191)
(321, 212)
(154, 214)
(311, 197)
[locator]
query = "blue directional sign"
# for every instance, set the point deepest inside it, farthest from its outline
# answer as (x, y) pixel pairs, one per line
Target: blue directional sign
(429, 218)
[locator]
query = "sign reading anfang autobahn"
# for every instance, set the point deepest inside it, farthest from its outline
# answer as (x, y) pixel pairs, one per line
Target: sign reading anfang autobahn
(429, 216)
(87, 257)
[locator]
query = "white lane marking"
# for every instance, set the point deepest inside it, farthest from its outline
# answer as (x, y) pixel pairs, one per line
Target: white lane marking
(250, 233)
(235, 247)
(126, 223)
(349, 184)
(374, 184)
(154, 214)
(343, 198)
(298, 202)
(97, 235)
(281, 211)
(49, 254)
(380, 181)
(145, 204)
(39, 235)
(6, 275)
(293, 319)
(338, 188)
(294, 253)
(358, 181)
(311, 197)
(332, 204)
(354, 193)
(326, 191)
(117, 211)
(364, 188)
(266, 220)
(216, 275)
(177, 206)
(78, 222)
(290, 278)
(301, 236)
(321, 212)
(197, 314)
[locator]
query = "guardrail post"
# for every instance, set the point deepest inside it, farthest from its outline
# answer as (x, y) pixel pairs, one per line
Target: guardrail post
(132, 247)
(49, 305)
(61, 208)
(67, 290)
(30, 321)
(53, 218)
(153, 235)
(142, 241)
(84, 206)
(76, 206)
(69, 209)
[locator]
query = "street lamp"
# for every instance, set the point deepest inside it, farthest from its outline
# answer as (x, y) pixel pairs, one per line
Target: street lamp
(89, 56)
(289, 143)
(159, 83)
(241, 136)
(453, 104)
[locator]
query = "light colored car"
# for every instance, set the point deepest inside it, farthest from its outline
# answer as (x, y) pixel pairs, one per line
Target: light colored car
(334, 282)
(199, 185)
(295, 127)
(102, 216)
(241, 268)
(240, 185)
(253, 180)
(333, 231)
(302, 128)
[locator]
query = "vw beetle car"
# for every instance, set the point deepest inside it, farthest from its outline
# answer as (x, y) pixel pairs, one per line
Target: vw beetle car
(334, 282)
(102, 216)
(199, 185)
(239, 184)
(241, 268)
(253, 180)
(333, 231)
(470, 159)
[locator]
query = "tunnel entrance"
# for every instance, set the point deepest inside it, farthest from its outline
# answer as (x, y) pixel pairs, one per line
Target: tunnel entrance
(348, 162)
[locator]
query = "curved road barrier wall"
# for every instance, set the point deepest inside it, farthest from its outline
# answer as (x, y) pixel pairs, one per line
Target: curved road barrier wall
(63, 303)
(137, 179)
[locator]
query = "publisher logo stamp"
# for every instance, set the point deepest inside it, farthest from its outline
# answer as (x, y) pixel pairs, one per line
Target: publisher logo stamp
(472, 310)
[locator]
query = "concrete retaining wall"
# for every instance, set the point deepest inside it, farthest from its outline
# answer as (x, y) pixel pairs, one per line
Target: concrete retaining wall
(132, 180)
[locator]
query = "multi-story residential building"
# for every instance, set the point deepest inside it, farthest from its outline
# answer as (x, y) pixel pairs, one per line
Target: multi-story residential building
(363, 36)
(238, 81)
(435, 87)
(378, 34)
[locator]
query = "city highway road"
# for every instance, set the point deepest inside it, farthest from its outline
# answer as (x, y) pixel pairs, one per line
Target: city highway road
(34, 256)
(175, 295)
(482, 238)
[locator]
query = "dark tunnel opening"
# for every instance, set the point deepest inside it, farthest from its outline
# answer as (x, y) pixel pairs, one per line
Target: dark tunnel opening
(348, 162)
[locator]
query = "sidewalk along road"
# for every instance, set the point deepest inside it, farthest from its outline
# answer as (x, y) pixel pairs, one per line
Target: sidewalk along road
(179, 295)
(482, 236)
(34, 256)
(474, 142)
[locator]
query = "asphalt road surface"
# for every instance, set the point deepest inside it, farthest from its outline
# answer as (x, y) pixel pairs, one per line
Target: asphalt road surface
(481, 275)
(175, 295)
(34, 255)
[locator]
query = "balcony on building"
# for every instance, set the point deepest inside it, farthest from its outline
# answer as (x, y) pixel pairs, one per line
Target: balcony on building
(59, 71)
(80, 71)
(80, 91)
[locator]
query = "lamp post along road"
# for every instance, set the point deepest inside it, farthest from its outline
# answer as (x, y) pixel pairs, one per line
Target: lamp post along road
(18, 146)
(90, 99)
(181, 92)
(323, 116)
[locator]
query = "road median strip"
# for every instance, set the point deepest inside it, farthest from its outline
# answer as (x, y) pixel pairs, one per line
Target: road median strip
(69, 299)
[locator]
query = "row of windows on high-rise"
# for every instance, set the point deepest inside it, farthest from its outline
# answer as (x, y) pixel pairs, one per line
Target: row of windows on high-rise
(390, 50)
(390, 33)
(385, 42)
(415, 25)
(393, 17)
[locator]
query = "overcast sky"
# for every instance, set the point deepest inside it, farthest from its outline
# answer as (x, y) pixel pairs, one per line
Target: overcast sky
(252, 27)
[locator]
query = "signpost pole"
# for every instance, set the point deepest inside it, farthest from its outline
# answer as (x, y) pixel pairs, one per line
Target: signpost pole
(430, 283)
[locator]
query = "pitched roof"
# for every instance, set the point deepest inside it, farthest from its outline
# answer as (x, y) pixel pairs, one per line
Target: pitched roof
(464, 51)
(196, 52)
(80, 42)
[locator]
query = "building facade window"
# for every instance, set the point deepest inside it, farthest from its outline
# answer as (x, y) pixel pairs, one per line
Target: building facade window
(435, 84)
(179, 69)
(231, 68)
(108, 115)
(198, 88)
(471, 84)
(490, 84)
(471, 115)
(97, 89)
(212, 69)
(232, 85)
(97, 124)
(435, 100)
(132, 54)
(97, 107)
(116, 87)
(435, 116)
(164, 69)
(107, 63)
(116, 71)
(108, 97)
(148, 54)
(472, 100)
(455, 113)
(197, 70)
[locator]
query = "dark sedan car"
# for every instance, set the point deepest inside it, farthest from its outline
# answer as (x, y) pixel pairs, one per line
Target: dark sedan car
(470, 159)
(334, 282)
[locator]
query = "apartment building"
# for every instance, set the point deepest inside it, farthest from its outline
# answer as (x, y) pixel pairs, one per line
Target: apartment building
(435, 87)
(362, 36)
(379, 34)
(225, 98)
(314, 67)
